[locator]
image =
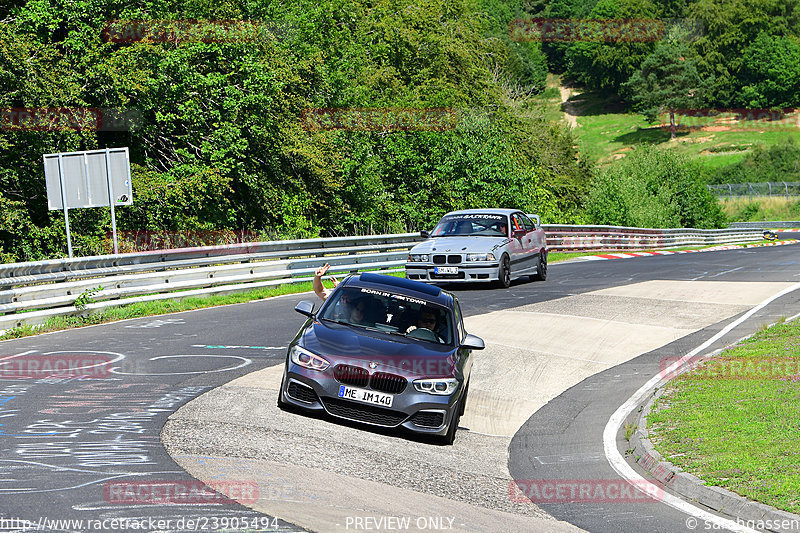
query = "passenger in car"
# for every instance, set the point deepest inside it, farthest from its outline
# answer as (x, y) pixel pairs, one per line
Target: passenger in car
(320, 289)
(359, 312)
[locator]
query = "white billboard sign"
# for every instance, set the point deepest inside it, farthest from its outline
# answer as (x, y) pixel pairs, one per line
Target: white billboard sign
(95, 178)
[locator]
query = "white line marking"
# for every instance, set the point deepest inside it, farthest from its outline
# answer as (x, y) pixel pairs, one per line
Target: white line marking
(18, 355)
(118, 358)
(611, 430)
(245, 362)
(726, 272)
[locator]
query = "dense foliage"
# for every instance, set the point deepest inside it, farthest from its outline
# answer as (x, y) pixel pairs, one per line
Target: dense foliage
(780, 162)
(222, 143)
(652, 188)
(222, 140)
(748, 48)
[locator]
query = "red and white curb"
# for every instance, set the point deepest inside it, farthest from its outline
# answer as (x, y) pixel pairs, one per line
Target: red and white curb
(629, 255)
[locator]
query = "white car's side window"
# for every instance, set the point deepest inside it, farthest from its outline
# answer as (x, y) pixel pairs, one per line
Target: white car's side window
(517, 223)
(529, 224)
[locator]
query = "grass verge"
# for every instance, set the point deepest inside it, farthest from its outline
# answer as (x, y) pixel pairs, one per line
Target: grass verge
(733, 420)
(607, 131)
(158, 307)
(761, 208)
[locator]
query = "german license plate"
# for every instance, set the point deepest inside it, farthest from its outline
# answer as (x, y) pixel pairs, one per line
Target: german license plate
(365, 396)
(445, 270)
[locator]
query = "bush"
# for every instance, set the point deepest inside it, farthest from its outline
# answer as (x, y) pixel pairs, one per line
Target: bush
(779, 162)
(653, 188)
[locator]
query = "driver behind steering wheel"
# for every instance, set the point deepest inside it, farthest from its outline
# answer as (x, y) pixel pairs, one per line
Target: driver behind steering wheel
(427, 320)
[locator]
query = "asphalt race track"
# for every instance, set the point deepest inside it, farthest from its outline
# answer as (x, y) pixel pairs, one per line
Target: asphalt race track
(78, 445)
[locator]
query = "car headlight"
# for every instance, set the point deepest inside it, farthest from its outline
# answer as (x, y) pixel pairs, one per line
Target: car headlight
(301, 356)
(439, 386)
(418, 258)
(481, 257)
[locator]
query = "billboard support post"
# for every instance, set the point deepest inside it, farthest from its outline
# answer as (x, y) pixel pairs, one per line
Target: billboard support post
(64, 202)
(111, 200)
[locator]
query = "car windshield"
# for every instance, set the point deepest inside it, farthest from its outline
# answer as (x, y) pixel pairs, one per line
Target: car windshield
(389, 312)
(477, 224)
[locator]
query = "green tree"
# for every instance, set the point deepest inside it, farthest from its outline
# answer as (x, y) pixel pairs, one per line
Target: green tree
(601, 64)
(666, 81)
(771, 73)
(729, 28)
(563, 9)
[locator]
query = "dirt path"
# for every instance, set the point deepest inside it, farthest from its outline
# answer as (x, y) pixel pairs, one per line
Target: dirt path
(569, 112)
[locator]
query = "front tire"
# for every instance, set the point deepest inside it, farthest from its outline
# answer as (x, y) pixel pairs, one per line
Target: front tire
(541, 268)
(504, 275)
(282, 405)
(450, 437)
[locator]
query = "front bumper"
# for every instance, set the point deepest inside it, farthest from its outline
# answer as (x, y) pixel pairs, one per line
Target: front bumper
(469, 273)
(419, 412)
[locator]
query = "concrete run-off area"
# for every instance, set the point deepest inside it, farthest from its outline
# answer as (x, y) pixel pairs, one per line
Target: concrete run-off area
(322, 475)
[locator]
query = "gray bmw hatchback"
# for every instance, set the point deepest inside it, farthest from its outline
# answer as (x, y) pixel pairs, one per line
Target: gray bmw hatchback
(383, 351)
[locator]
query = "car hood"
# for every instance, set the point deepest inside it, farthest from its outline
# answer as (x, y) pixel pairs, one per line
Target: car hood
(459, 244)
(341, 344)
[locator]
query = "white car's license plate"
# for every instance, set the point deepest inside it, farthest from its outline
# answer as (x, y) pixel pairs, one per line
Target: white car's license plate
(365, 396)
(445, 270)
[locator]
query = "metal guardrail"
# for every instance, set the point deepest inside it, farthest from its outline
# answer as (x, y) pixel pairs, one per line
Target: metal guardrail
(34, 291)
(766, 225)
(609, 238)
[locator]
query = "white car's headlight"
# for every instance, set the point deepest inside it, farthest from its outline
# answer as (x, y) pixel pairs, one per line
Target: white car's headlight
(439, 386)
(481, 257)
(301, 356)
(418, 258)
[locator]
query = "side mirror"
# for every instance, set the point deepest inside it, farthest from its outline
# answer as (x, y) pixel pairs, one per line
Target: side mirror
(425, 234)
(518, 233)
(472, 342)
(305, 308)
